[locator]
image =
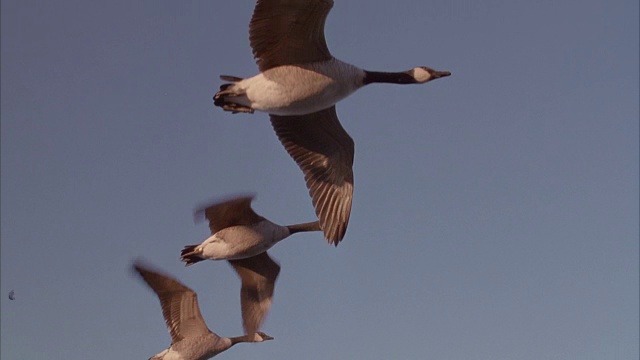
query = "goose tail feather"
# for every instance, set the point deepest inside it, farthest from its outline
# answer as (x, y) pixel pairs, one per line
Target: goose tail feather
(189, 255)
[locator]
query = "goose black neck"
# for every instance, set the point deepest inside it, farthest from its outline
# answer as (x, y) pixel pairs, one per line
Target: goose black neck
(310, 226)
(241, 339)
(403, 77)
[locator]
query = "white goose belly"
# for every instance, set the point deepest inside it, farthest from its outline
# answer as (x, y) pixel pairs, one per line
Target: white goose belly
(243, 241)
(300, 89)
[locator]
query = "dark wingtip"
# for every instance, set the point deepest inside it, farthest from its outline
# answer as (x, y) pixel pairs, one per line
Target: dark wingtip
(334, 240)
(138, 265)
(335, 237)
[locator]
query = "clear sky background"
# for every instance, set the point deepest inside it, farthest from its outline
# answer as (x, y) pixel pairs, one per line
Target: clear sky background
(495, 212)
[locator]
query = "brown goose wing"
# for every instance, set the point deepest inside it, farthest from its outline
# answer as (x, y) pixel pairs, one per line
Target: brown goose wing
(230, 212)
(324, 151)
(258, 274)
(179, 304)
(288, 32)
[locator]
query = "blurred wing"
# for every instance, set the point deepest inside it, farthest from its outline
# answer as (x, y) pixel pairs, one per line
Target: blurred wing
(231, 212)
(324, 151)
(258, 274)
(179, 304)
(288, 32)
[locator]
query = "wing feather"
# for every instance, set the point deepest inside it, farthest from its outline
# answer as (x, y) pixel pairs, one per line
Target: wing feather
(179, 304)
(324, 152)
(258, 274)
(289, 32)
(229, 212)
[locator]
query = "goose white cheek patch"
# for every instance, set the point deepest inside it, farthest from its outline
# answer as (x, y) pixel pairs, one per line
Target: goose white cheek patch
(421, 75)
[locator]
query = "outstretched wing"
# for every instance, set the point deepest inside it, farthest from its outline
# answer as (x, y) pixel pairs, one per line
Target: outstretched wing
(230, 212)
(258, 274)
(179, 304)
(324, 152)
(288, 32)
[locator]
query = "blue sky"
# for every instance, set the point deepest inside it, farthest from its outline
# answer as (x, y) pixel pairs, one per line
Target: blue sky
(495, 212)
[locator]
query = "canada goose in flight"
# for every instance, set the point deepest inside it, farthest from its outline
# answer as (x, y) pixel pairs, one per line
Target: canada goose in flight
(298, 85)
(190, 337)
(243, 237)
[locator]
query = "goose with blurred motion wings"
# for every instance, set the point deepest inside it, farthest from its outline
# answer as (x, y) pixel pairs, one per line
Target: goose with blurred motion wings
(191, 339)
(243, 237)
